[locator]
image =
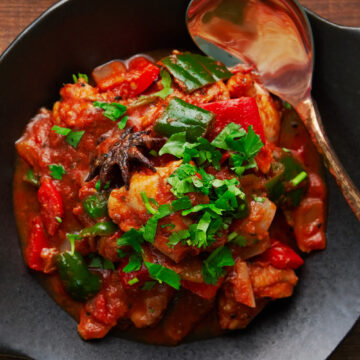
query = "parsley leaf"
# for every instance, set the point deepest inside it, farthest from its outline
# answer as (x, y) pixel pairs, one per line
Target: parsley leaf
(61, 130)
(57, 171)
(213, 266)
(112, 111)
(133, 281)
(163, 274)
(74, 138)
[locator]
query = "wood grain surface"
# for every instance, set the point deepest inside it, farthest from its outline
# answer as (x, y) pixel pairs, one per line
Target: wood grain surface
(15, 15)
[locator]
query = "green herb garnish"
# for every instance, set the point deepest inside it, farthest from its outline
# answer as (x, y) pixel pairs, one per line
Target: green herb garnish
(213, 266)
(57, 171)
(112, 111)
(74, 138)
(61, 130)
(163, 274)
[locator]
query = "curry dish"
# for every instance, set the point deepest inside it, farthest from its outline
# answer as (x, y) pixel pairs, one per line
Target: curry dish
(167, 199)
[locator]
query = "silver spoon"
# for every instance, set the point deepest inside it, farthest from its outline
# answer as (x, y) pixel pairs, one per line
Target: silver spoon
(275, 37)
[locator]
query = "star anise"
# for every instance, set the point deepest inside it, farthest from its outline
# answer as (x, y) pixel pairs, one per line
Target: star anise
(121, 153)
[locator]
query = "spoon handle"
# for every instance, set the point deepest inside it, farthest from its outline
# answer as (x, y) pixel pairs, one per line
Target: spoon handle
(310, 116)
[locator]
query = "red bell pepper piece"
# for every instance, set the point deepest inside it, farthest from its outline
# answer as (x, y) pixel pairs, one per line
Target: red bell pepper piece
(51, 206)
(141, 74)
(206, 291)
(36, 242)
(242, 111)
(142, 275)
(281, 256)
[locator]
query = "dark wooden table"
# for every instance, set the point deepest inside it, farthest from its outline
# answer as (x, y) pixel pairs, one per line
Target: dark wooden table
(15, 15)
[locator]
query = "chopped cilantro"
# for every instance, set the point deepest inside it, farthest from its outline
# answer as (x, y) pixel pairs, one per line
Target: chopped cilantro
(175, 145)
(213, 266)
(57, 171)
(181, 179)
(171, 226)
(58, 219)
(231, 130)
(31, 178)
(122, 122)
(134, 264)
(258, 199)
(236, 239)
(133, 238)
(177, 237)
(166, 83)
(147, 204)
(74, 138)
(151, 225)
(299, 178)
(181, 204)
(112, 111)
(201, 151)
(133, 281)
(163, 274)
(80, 76)
(61, 130)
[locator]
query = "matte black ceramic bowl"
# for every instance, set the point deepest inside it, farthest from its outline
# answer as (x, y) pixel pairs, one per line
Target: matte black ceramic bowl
(77, 35)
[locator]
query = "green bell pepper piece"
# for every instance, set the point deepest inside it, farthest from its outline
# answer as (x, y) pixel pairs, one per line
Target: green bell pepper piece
(181, 116)
(194, 71)
(275, 186)
(99, 229)
(96, 205)
(75, 276)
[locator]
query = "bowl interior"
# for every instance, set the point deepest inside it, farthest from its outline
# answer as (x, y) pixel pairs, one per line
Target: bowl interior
(77, 35)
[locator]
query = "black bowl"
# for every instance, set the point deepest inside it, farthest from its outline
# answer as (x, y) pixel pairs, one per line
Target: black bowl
(75, 36)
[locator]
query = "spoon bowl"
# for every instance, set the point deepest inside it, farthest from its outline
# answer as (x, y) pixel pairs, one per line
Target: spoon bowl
(274, 36)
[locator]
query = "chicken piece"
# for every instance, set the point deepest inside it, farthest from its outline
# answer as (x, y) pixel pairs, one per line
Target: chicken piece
(33, 145)
(234, 315)
(79, 91)
(240, 84)
(103, 311)
(269, 115)
(239, 283)
(259, 220)
(270, 282)
(176, 325)
(126, 207)
(107, 246)
(148, 306)
(49, 257)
